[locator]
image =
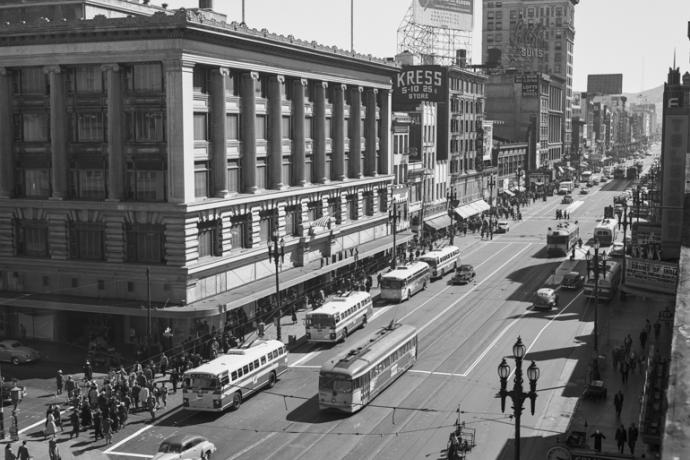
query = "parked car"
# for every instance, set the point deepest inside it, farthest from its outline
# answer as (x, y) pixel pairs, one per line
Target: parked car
(584, 191)
(572, 280)
(185, 447)
(617, 250)
(12, 351)
(503, 226)
(463, 274)
(567, 199)
(545, 299)
(590, 183)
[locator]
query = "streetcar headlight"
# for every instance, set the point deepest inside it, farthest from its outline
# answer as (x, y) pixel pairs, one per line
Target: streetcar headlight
(185, 402)
(332, 335)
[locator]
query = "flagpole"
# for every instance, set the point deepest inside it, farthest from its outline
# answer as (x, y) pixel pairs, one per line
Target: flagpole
(352, 25)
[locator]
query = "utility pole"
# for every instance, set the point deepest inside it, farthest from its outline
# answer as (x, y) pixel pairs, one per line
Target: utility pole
(491, 206)
(352, 26)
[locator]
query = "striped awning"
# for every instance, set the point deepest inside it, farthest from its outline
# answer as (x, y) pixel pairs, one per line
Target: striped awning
(324, 222)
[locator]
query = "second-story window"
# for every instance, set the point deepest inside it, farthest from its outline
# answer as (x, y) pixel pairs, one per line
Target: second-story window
(31, 238)
(145, 78)
(90, 127)
(86, 241)
(145, 126)
(145, 243)
(210, 238)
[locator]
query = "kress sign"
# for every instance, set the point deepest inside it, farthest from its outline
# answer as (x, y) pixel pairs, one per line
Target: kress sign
(417, 84)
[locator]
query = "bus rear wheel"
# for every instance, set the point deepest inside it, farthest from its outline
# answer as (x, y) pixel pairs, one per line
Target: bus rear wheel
(236, 400)
(272, 379)
(206, 455)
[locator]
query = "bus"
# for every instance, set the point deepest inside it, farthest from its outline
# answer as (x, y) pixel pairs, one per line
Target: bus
(406, 280)
(227, 380)
(442, 260)
(605, 231)
(350, 381)
(562, 238)
(585, 176)
(609, 279)
(339, 316)
(619, 172)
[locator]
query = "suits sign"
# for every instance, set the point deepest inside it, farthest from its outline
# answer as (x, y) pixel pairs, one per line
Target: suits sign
(416, 84)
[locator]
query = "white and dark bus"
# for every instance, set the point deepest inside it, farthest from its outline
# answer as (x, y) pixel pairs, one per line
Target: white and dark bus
(442, 261)
(406, 280)
(339, 316)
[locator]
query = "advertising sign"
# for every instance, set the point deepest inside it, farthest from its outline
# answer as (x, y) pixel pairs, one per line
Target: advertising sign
(530, 85)
(527, 41)
(416, 84)
(400, 194)
(653, 275)
(451, 14)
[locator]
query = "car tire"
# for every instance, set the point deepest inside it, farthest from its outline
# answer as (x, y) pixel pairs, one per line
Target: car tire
(15, 361)
(236, 400)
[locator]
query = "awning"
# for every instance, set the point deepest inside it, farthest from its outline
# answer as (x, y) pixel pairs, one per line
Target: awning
(466, 211)
(508, 192)
(324, 222)
(439, 223)
(482, 205)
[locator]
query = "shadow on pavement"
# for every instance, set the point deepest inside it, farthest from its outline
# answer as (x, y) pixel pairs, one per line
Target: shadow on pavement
(309, 412)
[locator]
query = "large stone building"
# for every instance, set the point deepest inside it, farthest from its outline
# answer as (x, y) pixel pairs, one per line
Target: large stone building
(149, 158)
(533, 36)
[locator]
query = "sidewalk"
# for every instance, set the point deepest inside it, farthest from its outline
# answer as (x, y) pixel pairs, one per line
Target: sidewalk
(616, 320)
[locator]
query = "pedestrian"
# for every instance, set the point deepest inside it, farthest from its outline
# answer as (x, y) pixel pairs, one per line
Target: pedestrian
(88, 371)
(625, 369)
(59, 382)
(152, 407)
(643, 338)
(618, 403)
(628, 343)
(378, 279)
(23, 452)
(53, 452)
(50, 429)
(164, 395)
(657, 330)
(293, 314)
(107, 430)
(74, 419)
(57, 416)
(621, 438)
(175, 378)
(648, 327)
(97, 425)
(632, 437)
(163, 364)
(598, 436)
(9, 455)
(69, 388)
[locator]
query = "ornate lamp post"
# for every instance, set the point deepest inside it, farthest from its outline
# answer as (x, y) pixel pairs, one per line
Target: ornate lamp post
(517, 394)
(451, 199)
(491, 184)
(276, 252)
(394, 217)
(596, 267)
(518, 174)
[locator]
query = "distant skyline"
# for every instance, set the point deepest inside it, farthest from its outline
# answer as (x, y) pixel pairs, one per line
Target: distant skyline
(633, 37)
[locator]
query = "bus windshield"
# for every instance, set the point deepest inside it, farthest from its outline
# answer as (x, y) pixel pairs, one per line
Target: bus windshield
(320, 320)
(201, 382)
(392, 284)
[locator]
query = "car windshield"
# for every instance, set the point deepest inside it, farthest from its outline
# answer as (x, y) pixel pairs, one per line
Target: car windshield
(170, 448)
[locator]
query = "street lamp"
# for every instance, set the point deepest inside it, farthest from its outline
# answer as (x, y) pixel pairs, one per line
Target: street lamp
(517, 394)
(518, 173)
(596, 268)
(276, 252)
(394, 217)
(491, 184)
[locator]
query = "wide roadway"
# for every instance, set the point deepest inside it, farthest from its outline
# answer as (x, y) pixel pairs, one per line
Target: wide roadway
(464, 332)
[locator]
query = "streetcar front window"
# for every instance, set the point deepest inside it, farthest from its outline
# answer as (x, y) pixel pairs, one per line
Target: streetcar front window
(343, 386)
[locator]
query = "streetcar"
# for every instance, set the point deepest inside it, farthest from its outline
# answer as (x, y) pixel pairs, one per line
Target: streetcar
(609, 278)
(227, 380)
(605, 231)
(406, 280)
(350, 381)
(339, 316)
(442, 261)
(562, 238)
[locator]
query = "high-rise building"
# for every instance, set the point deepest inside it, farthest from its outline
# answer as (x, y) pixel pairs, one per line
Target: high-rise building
(147, 159)
(533, 36)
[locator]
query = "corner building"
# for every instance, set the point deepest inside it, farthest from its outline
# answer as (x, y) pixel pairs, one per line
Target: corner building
(152, 157)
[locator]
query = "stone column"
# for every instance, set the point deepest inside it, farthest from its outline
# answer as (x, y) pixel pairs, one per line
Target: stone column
(179, 89)
(6, 157)
(372, 135)
(355, 163)
(58, 118)
(319, 134)
(338, 147)
(115, 190)
(248, 126)
(298, 157)
(275, 123)
(385, 156)
(218, 132)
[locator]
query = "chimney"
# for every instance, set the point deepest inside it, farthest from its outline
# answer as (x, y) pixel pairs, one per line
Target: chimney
(206, 4)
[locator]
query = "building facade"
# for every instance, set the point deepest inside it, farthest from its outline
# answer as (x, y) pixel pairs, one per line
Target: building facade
(148, 160)
(533, 36)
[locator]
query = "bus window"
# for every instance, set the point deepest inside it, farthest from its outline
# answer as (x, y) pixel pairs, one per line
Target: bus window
(224, 380)
(270, 355)
(234, 376)
(245, 369)
(263, 360)
(283, 350)
(256, 364)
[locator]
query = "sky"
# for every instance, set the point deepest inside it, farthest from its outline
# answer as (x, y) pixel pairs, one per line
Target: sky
(634, 37)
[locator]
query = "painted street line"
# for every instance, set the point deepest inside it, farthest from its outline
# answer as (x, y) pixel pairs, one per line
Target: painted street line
(128, 438)
(129, 454)
(305, 367)
(304, 358)
(252, 446)
(445, 374)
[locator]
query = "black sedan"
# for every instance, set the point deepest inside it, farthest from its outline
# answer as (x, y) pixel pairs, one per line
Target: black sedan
(463, 274)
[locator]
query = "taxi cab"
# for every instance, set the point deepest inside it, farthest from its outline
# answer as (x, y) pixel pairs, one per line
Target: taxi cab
(545, 299)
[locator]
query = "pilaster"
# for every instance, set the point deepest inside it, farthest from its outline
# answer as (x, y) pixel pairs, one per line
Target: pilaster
(385, 163)
(115, 161)
(248, 126)
(6, 135)
(179, 88)
(370, 95)
(58, 118)
(218, 132)
(338, 132)
(276, 86)
(355, 163)
(298, 159)
(319, 133)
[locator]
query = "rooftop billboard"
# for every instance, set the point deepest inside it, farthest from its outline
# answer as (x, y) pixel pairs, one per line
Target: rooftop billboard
(452, 14)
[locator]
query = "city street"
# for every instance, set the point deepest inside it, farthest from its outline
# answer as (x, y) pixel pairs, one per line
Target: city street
(464, 332)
